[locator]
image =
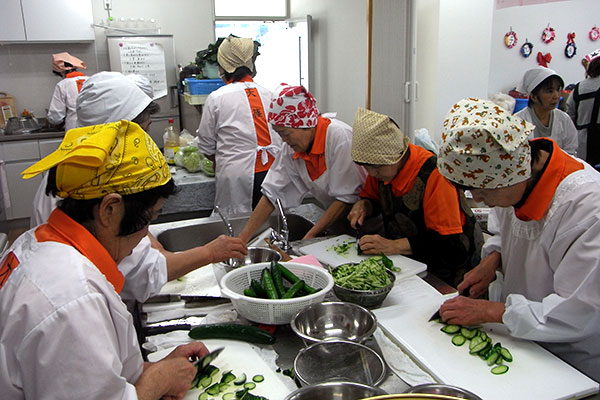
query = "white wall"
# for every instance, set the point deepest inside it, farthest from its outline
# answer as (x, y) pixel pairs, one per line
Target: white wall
(507, 65)
(26, 69)
(339, 33)
(453, 56)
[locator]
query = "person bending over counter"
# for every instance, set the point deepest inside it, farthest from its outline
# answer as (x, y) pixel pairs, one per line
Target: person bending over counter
(542, 264)
(315, 159)
(64, 330)
(424, 216)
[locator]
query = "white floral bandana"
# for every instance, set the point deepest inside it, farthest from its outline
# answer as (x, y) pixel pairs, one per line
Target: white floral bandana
(293, 107)
(484, 146)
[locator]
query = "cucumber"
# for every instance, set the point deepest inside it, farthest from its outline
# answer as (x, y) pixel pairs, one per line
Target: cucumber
(258, 289)
(478, 347)
(213, 390)
(245, 333)
(249, 385)
(228, 396)
(206, 381)
(203, 396)
(291, 278)
(458, 340)
(468, 333)
(291, 292)
(492, 358)
(227, 377)
(249, 292)
(277, 278)
(499, 369)
(267, 281)
(505, 354)
(258, 378)
(451, 329)
(240, 380)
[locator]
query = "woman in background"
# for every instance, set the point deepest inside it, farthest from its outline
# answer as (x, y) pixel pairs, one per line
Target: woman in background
(234, 131)
(62, 106)
(544, 87)
(583, 107)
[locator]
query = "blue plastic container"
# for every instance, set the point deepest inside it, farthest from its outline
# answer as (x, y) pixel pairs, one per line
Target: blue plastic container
(520, 104)
(202, 86)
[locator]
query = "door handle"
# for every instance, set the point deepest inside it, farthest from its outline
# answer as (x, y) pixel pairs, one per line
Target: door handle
(173, 96)
(407, 92)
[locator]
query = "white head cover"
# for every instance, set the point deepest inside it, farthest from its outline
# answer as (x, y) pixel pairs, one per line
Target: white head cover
(108, 97)
(143, 83)
(533, 77)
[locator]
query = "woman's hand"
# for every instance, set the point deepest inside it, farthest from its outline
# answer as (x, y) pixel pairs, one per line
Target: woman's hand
(478, 279)
(376, 244)
(463, 310)
(225, 247)
(360, 210)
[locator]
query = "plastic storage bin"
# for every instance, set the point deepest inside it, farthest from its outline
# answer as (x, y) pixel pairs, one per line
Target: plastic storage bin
(202, 86)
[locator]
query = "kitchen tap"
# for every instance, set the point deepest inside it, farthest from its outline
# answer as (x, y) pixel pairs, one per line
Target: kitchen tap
(281, 237)
(225, 221)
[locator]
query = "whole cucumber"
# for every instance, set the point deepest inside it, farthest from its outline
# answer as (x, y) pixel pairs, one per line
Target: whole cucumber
(245, 333)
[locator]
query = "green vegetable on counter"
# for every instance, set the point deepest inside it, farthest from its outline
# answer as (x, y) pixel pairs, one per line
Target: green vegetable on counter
(369, 274)
(245, 333)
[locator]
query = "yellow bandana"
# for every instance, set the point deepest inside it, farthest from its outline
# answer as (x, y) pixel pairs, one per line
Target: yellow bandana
(97, 160)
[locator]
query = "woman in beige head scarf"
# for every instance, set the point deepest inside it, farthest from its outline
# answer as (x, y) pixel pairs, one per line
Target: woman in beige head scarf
(234, 131)
(421, 210)
(546, 223)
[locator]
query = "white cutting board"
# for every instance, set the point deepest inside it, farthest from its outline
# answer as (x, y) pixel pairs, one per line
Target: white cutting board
(239, 357)
(324, 252)
(534, 374)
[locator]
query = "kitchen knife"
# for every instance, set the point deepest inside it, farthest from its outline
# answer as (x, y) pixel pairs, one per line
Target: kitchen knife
(205, 361)
(358, 235)
(437, 314)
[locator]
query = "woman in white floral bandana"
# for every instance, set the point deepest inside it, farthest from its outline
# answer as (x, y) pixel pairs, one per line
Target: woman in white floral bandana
(542, 265)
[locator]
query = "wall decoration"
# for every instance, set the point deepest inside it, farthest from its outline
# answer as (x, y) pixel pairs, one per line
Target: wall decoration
(594, 33)
(543, 59)
(510, 39)
(570, 48)
(526, 49)
(548, 35)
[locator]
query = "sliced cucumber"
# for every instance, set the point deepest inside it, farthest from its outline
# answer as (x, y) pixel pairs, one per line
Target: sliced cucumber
(468, 333)
(458, 340)
(478, 347)
(240, 380)
(223, 387)
(499, 369)
(249, 385)
(258, 378)
(203, 396)
(506, 355)
(206, 381)
(475, 341)
(492, 358)
(228, 396)
(213, 390)
(227, 377)
(211, 370)
(451, 329)
(483, 335)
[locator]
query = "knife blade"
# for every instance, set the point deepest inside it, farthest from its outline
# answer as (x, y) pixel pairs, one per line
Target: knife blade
(437, 315)
(358, 235)
(206, 360)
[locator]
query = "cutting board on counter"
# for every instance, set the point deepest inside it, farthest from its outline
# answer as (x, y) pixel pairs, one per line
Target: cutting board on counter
(534, 373)
(325, 253)
(239, 357)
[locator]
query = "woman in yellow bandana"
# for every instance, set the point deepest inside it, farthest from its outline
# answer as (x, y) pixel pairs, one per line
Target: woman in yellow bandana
(64, 330)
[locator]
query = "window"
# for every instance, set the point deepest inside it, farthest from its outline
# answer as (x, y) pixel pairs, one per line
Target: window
(263, 9)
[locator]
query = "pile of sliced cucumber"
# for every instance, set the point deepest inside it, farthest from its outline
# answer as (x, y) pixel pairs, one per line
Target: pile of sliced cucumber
(227, 386)
(480, 344)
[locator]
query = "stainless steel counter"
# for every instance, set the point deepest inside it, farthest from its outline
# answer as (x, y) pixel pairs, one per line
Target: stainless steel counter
(32, 136)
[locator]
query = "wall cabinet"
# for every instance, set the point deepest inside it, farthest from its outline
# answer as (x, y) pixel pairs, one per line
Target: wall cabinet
(18, 156)
(46, 21)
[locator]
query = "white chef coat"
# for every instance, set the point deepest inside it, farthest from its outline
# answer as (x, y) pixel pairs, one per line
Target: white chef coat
(64, 331)
(288, 178)
(584, 111)
(145, 269)
(64, 102)
(227, 131)
(551, 272)
(563, 131)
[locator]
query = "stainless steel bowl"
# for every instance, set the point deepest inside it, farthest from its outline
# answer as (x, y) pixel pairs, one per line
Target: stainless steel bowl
(335, 390)
(334, 320)
(339, 361)
(255, 255)
(446, 390)
(366, 298)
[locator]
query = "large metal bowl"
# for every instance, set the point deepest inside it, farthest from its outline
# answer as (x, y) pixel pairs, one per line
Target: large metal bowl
(255, 255)
(447, 390)
(366, 298)
(334, 320)
(339, 361)
(335, 390)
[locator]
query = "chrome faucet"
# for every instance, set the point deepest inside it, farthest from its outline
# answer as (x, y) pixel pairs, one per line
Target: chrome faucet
(231, 261)
(282, 235)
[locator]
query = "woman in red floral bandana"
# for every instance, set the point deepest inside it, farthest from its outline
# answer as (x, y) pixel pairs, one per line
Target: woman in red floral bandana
(316, 159)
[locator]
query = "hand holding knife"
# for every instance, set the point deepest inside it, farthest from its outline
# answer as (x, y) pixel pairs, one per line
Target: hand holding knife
(437, 315)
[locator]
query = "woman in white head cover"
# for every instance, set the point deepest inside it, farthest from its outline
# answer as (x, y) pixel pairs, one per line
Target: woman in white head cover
(234, 131)
(542, 265)
(544, 87)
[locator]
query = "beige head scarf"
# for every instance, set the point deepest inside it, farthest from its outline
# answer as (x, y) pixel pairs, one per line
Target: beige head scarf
(59, 59)
(97, 160)
(484, 146)
(376, 139)
(236, 52)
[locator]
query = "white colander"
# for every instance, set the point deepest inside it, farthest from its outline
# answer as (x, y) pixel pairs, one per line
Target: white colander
(274, 312)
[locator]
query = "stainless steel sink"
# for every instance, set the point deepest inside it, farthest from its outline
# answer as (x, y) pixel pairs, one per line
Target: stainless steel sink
(186, 237)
